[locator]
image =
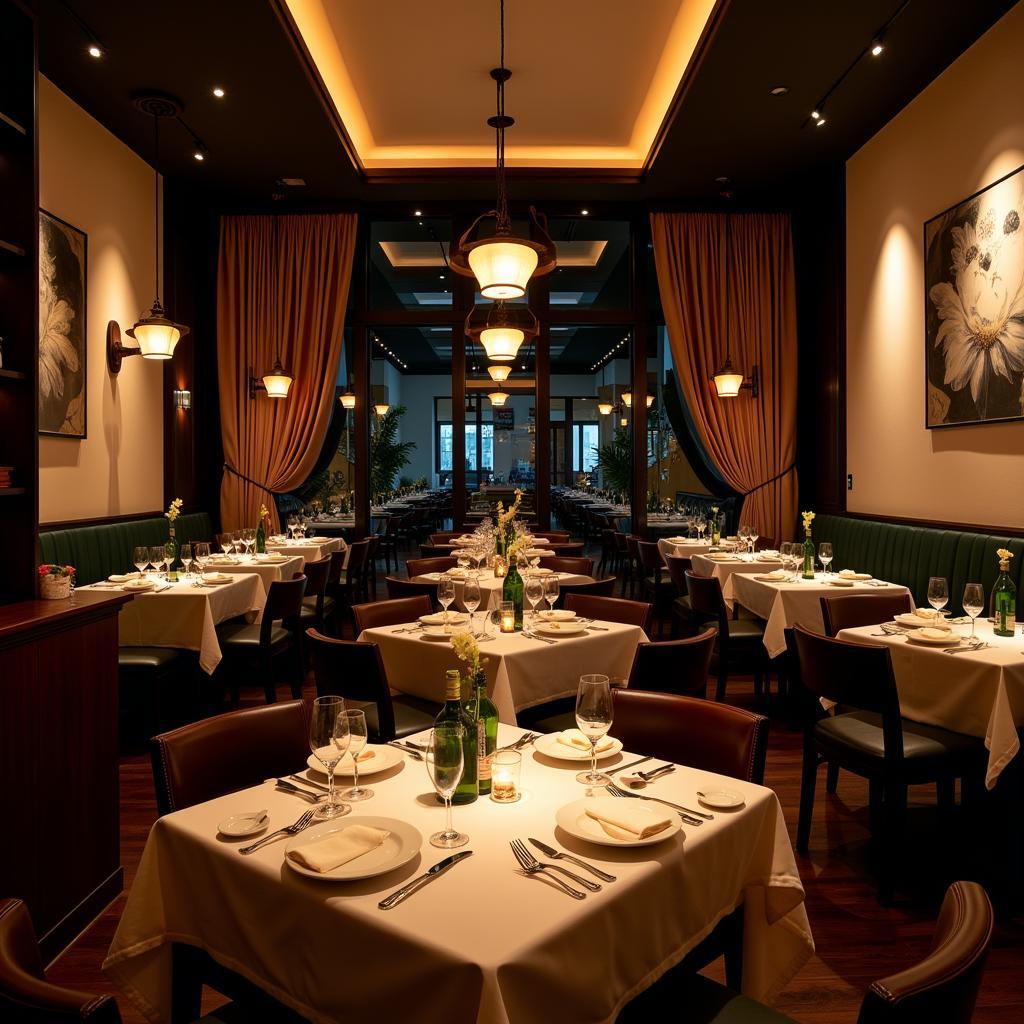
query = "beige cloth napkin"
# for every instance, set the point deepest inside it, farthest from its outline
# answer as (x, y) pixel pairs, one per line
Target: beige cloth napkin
(119, 578)
(933, 633)
(623, 819)
(575, 739)
(771, 577)
(339, 848)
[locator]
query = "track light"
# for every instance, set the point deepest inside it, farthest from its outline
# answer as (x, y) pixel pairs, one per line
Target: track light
(218, 92)
(877, 46)
(95, 51)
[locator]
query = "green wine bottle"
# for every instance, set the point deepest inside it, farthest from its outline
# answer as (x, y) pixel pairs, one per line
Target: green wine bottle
(171, 551)
(454, 713)
(1004, 600)
(512, 590)
(261, 538)
(481, 708)
(808, 573)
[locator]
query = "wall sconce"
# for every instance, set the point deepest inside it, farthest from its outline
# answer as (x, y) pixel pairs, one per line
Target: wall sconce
(605, 408)
(729, 382)
(182, 399)
(155, 343)
(348, 400)
(276, 383)
(623, 422)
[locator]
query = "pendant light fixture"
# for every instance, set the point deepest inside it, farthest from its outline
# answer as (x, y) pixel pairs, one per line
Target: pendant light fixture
(503, 263)
(348, 400)
(729, 381)
(499, 372)
(498, 398)
(503, 331)
(604, 407)
(277, 383)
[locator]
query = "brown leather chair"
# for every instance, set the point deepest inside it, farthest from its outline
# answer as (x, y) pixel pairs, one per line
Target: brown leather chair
(399, 586)
(435, 550)
(559, 563)
(684, 619)
(317, 607)
(355, 671)
(851, 610)
(555, 536)
(595, 588)
(674, 666)
(350, 586)
(941, 987)
(421, 566)
(390, 613)
(566, 548)
(740, 645)
(874, 742)
(611, 609)
(698, 733)
(656, 588)
(228, 752)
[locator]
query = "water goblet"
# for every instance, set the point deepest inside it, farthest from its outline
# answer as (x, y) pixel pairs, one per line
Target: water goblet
(201, 554)
(186, 558)
(350, 734)
(752, 536)
(594, 718)
(938, 592)
(324, 742)
(471, 598)
(551, 591)
(157, 557)
(140, 559)
(444, 762)
(445, 596)
(534, 593)
(825, 554)
(973, 602)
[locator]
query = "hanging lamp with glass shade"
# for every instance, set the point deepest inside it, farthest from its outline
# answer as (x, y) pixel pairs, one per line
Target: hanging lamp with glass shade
(729, 381)
(604, 407)
(503, 263)
(499, 372)
(627, 399)
(498, 397)
(278, 381)
(502, 332)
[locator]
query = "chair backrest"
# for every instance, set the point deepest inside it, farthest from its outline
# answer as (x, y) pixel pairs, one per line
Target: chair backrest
(390, 613)
(598, 588)
(358, 556)
(284, 604)
(316, 579)
(227, 752)
(337, 567)
(766, 544)
(568, 548)
(25, 994)
(677, 567)
(553, 535)
(650, 558)
(674, 666)
(611, 609)
(579, 566)
(421, 566)
(353, 670)
(400, 587)
(699, 733)
(851, 610)
(944, 985)
(434, 551)
(443, 538)
(706, 598)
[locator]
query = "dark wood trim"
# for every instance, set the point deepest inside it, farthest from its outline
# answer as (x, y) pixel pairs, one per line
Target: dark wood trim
(434, 175)
(72, 524)
(65, 931)
(540, 293)
(361, 413)
(28, 621)
(935, 524)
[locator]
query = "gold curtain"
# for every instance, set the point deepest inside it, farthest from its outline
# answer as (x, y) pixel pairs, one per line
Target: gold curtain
(752, 441)
(298, 288)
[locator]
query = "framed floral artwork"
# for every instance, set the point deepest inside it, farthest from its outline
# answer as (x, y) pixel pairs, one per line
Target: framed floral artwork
(974, 307)
(62, 344)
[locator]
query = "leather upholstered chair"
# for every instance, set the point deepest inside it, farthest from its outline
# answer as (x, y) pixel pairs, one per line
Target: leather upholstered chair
(420, 566)
(390, 613)
(674, 666)
(851, 610)
(560, 563)
(611, 609)
(596, 588)
(399, 586)
(317, 608)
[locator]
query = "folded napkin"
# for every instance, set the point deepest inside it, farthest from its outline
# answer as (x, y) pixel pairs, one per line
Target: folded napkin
(215, 577)
(776, 576)
(575, 739)
(849, 574)
(933, 633)
(339, 848)
(318, 540)
(124, 578)
(838, 582)
(326, 753)
(624, 819)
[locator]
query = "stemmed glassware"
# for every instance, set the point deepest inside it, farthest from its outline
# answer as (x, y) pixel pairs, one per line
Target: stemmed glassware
(350, 735)
(290, 527)
(534, 593)
(702, 524)
(323, 726)
(786, 554)
(444, 763)
(201, 554)
(938, 592)
(551, 591)
(140, 559)
(445, 596)
(462, 559)
(471, 597)
(973, 602)
(594, 718)
(825, 554)
(744, 533)
(752, 536)
(157, 557)
(186, 558)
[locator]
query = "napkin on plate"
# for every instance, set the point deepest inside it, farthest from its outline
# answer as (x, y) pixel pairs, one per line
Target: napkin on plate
(839, 582)
(124, 578)
(850, 574)
(575, 739)
(932, 633)
(775, 576)
(622, 819)
(215, 577)
(339, 848)
(142, 584)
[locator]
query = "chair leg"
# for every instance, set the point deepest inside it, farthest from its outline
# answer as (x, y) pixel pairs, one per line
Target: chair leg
(832, 777)
(895, 814)
(808, 780)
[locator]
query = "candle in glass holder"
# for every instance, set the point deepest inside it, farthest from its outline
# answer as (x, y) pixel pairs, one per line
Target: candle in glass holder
(505, 769)
(508, 617)
(499, 567)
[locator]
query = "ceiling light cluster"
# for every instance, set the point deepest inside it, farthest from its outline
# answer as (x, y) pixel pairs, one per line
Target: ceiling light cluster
(401, 362)
(609, 355)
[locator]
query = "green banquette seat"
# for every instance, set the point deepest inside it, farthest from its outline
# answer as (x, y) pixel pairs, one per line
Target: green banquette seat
(911, 554)
(98, 551)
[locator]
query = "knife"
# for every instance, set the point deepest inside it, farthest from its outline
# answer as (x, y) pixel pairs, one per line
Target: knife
(684, 812)
(622, 767)
(417, 883)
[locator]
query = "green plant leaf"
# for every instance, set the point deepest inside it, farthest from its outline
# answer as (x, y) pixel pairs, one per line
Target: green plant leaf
(388, 455)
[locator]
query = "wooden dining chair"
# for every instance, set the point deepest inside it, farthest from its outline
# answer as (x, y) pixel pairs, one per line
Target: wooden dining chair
(674, 666)
(684, 619)
(597, 588)
(317, 607)
(576, 566)
(350, 586)
(625, 563)
(848, 611)
(399, 586)
(435, 551)
(611, 609)
(636, 569)
(390, 613)
(657, 588)
(875, 741)
(421, 566)
(355, 670)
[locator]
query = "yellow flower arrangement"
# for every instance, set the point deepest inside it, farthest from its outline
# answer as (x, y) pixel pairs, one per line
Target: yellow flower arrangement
(467, 650)
(1005, 554)
(808, 518)
(264, 512)
(174, 510)
(505, 516)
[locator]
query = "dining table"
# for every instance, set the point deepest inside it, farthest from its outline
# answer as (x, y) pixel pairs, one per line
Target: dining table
(484, 942)
(185, 614)
(978, 692)
(522, 670)
(682, 547)
(491, 585)
(268, 569)
(722, 565)
(310, 549)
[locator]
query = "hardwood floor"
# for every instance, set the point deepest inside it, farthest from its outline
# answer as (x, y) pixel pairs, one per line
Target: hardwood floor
(857, 939)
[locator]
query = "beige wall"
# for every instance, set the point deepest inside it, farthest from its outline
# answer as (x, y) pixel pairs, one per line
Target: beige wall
(962, 133)
(91, 180)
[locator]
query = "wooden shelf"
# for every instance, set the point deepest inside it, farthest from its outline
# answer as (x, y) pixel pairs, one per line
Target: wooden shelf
(10, 122)
(12, 375)
(10, 492)
(11, 248)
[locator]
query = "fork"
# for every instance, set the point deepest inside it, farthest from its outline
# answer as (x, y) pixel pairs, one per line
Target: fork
(522, 741)
(550, 851)
(684, 812)
(979, 646)
(533, 636)
(289, 830)
(532, 866)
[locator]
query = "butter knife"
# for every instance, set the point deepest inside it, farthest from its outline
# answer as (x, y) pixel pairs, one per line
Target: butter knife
(417, 883)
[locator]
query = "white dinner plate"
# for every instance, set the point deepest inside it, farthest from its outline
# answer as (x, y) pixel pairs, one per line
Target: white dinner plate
(399, 848)
(239, 825)
(573, 818)
(541, 542)
(840, 583)
(268, 557)
(385, 757)
(571, 628)
(127, 577)
(219, 581)
(548, 745)
(437, 619)
(910, 619)
(768, 578)
(721, 556)
(845, 575)
(138, 586)
(463, 542)
(679, 540)
(557, 615)
(949, 640)
(537, 572)
(720, 799)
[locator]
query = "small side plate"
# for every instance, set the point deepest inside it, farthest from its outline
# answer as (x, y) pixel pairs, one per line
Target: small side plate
(239, 825)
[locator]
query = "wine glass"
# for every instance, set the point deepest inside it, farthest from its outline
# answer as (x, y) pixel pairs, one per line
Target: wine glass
(444, 762)
(786, 554)
(323, 725)
(239, 544)
(594, 718)
(471, 598)
(350, 735)
(743, 533)
(157, 557)
(186, 558)
(462, 559)
(201, 554)
(290, 527)
(825, 554)
(752, 536)
(534, 593)
(938, 592)
(445, 596)
(225, 543)
(702, 524)
(551, 591)
(973, 602)
(140, 559)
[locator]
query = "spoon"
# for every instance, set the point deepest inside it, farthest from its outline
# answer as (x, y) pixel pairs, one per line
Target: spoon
(640, 779)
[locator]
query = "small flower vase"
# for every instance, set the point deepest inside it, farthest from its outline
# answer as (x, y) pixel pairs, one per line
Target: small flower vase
(716, 531)
(808, 571)
(54, 588)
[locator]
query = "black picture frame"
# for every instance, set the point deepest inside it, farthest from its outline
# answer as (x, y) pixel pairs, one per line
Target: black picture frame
(976, 232)
(63, 328)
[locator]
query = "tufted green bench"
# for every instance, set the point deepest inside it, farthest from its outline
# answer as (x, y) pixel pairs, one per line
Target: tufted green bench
(910, 554)
(98, 551)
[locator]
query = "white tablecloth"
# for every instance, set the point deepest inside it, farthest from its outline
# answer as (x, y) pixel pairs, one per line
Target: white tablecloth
(312, 550)
(980, 693)
(482, 944)
(521, 672)
(490, 587)
(268, 572)
(687, 550)
(783, 605)
(185, 616)
(723, 571)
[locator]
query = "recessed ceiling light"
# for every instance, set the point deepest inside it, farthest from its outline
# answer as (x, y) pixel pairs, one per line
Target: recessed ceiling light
(877, 46)
(780, 90)
(721, 180)
(218, 92)
(815, 115)
(584, 213)
(821, 121)
(198, 155)
(417, 213)
(95, 51)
